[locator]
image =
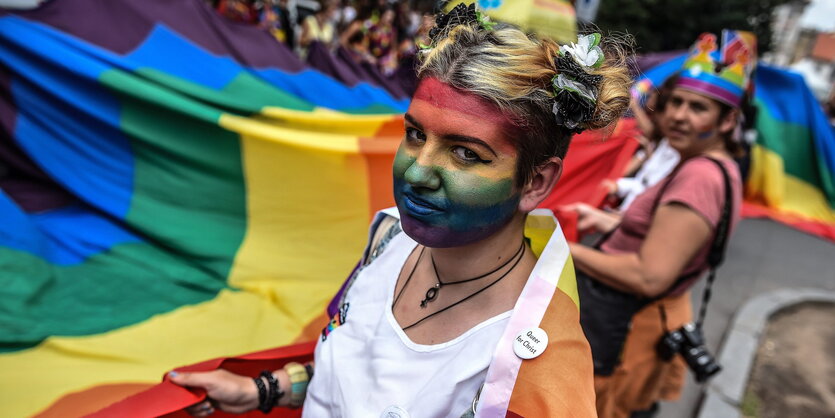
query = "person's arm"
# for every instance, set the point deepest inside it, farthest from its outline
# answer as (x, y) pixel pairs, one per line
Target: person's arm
(675, 236)
(306, 37)
(645, 123)
(640, 157)
(229, 391)
(349, 32)
(590, 218)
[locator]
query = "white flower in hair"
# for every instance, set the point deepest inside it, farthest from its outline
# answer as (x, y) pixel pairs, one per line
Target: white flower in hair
(586, 51)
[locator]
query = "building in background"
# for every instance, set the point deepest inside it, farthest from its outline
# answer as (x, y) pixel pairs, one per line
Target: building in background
(818, 65)
(786, 32)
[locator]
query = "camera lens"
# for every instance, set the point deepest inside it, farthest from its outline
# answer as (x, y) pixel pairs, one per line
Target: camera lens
(688, 341)
(701, 363)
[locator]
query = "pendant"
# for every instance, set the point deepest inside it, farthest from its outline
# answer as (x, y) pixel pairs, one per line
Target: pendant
(431, 294)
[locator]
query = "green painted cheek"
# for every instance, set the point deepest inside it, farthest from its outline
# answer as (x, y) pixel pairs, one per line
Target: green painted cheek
(402, 161)
(458, 187)
(470, 189)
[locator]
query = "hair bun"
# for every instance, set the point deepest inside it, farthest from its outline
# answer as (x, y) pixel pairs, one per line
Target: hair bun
(581, 69)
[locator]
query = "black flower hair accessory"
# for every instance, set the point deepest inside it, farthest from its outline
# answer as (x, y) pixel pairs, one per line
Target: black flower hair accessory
(568, 66)
(575, 88)
(459, 15)
(572, 112)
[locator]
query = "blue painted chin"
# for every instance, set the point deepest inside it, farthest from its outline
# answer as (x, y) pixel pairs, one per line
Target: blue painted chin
(438, 224)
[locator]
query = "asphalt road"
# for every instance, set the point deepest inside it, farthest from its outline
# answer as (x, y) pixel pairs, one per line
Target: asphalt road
(762, 256)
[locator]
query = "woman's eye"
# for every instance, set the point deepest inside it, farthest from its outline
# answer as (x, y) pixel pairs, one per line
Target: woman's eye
(414, 135)
(467, 155)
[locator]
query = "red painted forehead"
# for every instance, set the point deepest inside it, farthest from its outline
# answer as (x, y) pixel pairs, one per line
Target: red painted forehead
(440, 94)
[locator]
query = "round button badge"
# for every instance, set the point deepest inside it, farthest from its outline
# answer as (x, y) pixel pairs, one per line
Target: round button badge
(530, 343)
(394, 411)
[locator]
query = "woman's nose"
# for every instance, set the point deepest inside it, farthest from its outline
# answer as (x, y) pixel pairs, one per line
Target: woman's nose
(679, 113)
(422, 175)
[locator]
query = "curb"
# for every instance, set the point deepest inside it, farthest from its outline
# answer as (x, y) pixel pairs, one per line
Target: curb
(723, 395)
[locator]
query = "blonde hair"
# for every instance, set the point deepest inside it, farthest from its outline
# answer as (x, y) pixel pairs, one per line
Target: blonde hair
(514, 70)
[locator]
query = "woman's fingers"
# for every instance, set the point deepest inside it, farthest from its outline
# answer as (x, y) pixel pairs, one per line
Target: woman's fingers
(581, 208)
(199, 379)
(226, 391)
(202, 380)
(202, 409)
(572, 207)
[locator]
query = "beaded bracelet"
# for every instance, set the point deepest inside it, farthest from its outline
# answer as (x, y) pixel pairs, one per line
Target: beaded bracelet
(263, 395)
(298, 383)
(274, 392)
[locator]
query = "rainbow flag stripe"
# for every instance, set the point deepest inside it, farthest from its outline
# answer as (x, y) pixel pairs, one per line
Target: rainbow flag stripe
(201, 187)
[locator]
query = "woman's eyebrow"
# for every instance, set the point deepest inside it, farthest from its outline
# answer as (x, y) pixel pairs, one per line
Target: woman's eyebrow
(470, 139)
(412, 120)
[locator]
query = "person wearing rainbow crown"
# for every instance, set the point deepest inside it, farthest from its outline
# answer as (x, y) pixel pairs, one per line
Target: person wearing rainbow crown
(465, 300)
(633, 285)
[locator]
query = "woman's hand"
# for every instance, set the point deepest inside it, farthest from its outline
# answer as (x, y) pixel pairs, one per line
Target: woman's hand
(610, 186)
(227, 391)
(591, 218)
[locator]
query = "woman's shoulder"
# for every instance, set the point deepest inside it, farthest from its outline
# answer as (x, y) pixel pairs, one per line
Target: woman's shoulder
(700, 185)
(704, 171)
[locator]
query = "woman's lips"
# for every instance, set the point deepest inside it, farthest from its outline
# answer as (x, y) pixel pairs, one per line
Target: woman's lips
(677, 132)
(419, 206)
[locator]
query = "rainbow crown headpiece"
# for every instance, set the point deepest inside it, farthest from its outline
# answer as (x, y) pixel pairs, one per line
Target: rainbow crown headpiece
(726, 75)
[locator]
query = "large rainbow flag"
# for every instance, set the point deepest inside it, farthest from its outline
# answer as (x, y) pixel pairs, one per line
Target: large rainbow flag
(792, 173)
(175, 187)
(182, 162)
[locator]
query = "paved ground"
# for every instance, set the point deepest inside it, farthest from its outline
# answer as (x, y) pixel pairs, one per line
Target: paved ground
(762, 256)
(792, 375)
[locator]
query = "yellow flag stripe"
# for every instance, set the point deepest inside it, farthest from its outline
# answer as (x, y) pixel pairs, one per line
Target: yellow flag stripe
(233, 323)
(769, 183)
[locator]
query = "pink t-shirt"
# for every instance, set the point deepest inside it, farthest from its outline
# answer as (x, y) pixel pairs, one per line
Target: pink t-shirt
(698, 185)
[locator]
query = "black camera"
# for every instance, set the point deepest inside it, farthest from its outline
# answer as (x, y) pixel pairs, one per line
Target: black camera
(688, 341)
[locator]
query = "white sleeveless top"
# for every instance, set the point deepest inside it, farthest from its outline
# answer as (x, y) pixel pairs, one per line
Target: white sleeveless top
(368, 367)
(660, 164)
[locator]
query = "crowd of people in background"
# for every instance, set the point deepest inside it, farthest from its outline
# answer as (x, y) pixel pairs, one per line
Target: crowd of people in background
(378, 32)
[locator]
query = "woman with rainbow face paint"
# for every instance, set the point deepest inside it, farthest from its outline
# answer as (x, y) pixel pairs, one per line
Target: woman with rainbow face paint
(464, 302)
(654, 252)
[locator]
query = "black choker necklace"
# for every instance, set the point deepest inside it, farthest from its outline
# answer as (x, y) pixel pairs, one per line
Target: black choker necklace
(519, 255)
(432, 292)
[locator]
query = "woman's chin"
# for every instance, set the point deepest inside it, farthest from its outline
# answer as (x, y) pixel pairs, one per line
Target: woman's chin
(677, 143)
(433, 236)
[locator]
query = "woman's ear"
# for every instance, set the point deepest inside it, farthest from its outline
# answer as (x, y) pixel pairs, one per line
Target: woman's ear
(540, 184)
(728, 123)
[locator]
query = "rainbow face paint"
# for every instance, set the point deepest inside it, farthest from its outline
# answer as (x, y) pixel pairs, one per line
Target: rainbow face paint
(705, 135)
(454, 171)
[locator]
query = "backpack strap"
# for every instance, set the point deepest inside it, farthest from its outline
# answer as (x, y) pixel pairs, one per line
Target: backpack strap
(720, 238)
(720, 242)
(716, 255)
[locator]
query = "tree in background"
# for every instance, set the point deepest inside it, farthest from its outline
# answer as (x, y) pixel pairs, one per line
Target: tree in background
(665, 25)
